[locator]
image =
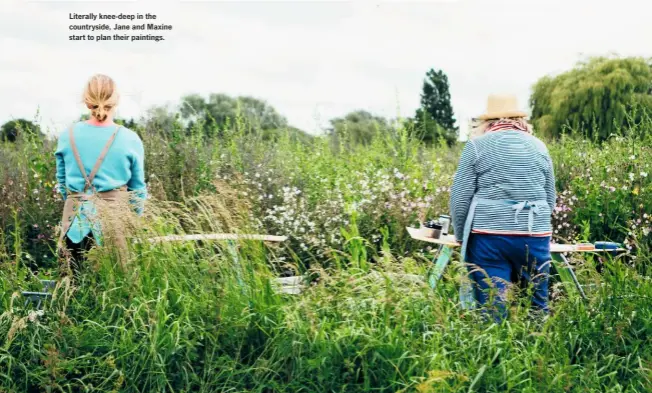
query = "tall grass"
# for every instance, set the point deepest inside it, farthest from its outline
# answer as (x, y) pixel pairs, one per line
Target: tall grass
(191, 318)
(196, 317)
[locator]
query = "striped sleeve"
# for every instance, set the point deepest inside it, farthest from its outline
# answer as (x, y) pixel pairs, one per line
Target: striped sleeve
(463, 189)
(551, 191)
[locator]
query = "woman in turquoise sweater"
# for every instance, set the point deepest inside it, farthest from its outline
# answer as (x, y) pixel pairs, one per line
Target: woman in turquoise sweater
(97, 160)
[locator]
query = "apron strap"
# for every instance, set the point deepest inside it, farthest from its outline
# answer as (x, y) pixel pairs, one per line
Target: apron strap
(89, 179)
(100, 159)
(75, 153)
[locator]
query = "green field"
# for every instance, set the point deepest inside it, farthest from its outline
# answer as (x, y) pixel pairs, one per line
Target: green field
(190, 318)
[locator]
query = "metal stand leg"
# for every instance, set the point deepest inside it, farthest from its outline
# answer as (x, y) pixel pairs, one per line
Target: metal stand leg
(566, 273)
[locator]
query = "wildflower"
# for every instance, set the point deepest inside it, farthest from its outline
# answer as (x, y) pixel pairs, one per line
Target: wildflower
(631, 176)
(632, 157)
(643, 174)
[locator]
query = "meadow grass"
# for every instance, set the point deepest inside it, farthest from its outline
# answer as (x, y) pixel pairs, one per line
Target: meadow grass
(189, 317)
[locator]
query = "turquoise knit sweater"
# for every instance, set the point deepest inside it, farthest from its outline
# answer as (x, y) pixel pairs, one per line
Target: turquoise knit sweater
(123, 165)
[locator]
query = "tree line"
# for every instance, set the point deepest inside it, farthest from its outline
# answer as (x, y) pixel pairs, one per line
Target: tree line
(598, 96)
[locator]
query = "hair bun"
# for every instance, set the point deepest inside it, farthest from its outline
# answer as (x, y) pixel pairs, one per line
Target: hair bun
(100, 96)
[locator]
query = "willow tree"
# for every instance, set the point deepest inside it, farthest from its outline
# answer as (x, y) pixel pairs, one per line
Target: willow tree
(595, 97)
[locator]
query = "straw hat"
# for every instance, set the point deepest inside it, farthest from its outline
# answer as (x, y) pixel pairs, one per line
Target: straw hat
(500, 106)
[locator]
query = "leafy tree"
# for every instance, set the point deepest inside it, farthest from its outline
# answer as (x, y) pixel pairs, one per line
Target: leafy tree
(429, 130)
(295, 135)
(595, 96)
(222, 111)
(434, 119)
(131, 123)
(12, 129)
(359, 127)
(162, 120)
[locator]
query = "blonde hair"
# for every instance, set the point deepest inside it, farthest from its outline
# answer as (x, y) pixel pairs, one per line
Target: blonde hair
(100, 96)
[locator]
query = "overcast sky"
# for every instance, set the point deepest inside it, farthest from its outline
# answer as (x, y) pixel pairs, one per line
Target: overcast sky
(311, 60)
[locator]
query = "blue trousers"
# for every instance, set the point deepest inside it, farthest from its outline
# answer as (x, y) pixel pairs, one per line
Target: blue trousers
(496, 261)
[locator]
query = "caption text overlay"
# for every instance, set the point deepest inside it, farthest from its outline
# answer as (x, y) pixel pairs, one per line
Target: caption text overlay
(116, 27)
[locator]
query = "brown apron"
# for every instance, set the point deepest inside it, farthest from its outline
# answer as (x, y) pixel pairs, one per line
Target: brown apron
(75, 200)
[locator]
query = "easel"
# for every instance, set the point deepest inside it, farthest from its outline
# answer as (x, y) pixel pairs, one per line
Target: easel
(559, 261)
(287, 284)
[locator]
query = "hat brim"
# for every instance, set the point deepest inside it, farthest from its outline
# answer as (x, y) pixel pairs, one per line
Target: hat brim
(500, 115)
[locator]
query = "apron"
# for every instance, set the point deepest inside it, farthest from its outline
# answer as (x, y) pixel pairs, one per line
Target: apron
(467, 297)
(75, 200)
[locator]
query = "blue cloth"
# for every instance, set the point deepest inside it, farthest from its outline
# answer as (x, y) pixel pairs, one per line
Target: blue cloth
(501, 258)
(503, 165)
(123, 165)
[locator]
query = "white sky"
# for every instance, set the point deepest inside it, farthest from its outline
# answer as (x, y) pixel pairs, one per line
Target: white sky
(311, 60)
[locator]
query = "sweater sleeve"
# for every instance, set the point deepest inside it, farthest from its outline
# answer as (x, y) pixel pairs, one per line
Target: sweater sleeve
(61, 169)
(551, 191)
(463, 189)
(136, 184)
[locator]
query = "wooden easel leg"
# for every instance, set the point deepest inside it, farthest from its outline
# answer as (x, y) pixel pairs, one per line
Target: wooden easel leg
(441, 261)
(233, 251)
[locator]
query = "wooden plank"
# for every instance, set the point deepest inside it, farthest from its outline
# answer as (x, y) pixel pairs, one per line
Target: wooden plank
(449, 240)
(217, 236)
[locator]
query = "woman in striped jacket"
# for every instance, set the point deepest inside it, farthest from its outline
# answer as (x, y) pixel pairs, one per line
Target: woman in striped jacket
(501, 204)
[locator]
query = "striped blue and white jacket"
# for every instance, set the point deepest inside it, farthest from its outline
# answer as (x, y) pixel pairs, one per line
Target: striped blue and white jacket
(507, 164)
